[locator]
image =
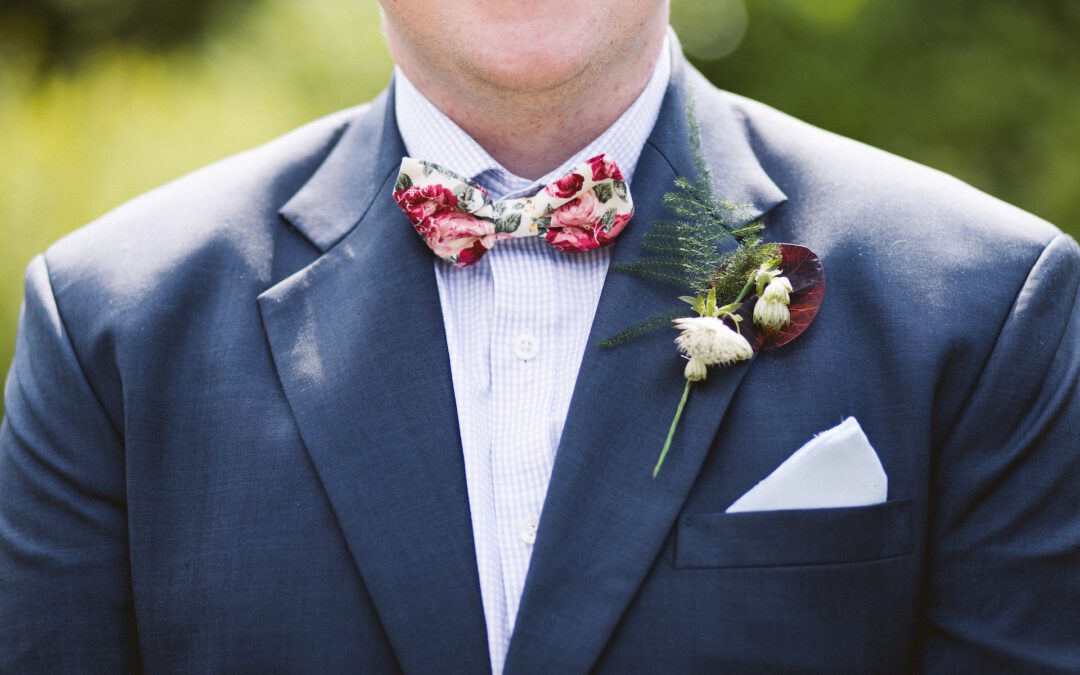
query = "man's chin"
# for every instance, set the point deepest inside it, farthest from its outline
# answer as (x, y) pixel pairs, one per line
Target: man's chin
(528, 73)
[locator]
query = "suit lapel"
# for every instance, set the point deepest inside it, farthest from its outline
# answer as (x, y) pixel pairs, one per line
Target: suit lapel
(358, 341)
(605, 519)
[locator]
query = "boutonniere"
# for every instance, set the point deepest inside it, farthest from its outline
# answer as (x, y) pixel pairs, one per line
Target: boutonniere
(745, 295)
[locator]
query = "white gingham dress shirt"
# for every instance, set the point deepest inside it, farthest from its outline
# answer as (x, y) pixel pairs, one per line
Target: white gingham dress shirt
(516, 327)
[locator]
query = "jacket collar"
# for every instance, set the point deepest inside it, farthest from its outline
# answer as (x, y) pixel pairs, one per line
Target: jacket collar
(344, 187)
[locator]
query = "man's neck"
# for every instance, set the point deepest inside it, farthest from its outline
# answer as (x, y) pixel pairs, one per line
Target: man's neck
(532, 132)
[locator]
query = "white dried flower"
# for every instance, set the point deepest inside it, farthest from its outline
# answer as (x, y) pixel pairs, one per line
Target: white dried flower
(709, 340)
(696, 370)
(771, 311)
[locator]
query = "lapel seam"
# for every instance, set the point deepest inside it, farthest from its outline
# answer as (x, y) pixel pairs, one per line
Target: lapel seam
(753, 142)
(656, 148)
(331, 145)
(379, 191)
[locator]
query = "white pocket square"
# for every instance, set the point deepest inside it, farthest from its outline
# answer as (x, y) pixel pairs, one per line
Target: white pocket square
(836, 468)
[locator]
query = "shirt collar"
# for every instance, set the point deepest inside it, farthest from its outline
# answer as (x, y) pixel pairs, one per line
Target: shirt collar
(429, 134)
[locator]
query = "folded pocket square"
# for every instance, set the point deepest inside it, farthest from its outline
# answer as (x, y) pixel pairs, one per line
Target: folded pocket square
(836, 468)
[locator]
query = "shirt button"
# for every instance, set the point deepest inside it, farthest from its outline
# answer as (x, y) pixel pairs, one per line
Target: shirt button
(526, 346)
(528, 530)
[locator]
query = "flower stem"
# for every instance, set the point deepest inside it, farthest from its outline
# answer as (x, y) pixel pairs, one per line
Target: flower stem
(744, 292)
(671, 431)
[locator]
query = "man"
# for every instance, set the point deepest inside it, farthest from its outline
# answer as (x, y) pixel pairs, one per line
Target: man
(253, 424)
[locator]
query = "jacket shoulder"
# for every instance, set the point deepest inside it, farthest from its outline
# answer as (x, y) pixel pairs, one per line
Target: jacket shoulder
(877, 187)
(872, 214)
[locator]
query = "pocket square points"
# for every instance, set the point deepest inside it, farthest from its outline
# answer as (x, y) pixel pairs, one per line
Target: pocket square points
(836, 468)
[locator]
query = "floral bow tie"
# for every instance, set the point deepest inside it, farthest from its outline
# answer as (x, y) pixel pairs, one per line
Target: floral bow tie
(583, 210)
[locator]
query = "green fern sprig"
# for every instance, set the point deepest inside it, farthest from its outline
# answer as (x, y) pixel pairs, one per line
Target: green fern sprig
(708, 247)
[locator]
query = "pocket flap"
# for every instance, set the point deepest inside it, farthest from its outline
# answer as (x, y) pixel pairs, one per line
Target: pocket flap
(794, 537)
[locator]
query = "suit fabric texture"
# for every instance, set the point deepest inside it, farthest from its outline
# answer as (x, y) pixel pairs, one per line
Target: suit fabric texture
(230, 442)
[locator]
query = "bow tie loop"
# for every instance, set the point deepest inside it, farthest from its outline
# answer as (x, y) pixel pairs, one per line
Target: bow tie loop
(585, 209)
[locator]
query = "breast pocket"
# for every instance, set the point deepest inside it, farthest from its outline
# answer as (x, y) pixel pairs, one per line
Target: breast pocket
(794, 537)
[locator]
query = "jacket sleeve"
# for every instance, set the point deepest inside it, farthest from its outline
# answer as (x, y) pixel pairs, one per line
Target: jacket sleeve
(65, 589)
(1003, 585)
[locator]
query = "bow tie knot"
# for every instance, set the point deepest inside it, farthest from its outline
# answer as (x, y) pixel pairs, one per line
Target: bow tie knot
(585, 209)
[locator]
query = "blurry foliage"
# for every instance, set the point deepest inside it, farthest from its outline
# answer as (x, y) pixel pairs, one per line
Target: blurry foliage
(62, 32)
(986, 90)
(103, 99)
(78, 141)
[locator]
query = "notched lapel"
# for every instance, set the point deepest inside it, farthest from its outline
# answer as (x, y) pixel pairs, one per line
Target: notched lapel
(358, 341)
(605, 519)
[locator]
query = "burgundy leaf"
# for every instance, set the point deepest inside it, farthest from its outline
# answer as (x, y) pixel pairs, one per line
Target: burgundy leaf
(803, 269)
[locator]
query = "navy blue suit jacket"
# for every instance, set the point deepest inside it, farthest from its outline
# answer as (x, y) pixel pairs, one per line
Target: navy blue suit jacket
(230, 441)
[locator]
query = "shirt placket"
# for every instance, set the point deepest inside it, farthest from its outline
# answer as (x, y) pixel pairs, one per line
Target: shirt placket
(523, 352)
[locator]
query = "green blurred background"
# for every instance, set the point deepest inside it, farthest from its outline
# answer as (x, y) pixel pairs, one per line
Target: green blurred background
(103, 99)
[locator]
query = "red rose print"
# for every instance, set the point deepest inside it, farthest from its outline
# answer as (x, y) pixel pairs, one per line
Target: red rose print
(567, 186)
(455, 235)
(574, 224)
(603, 167)
(420, 202)
(471, 254)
